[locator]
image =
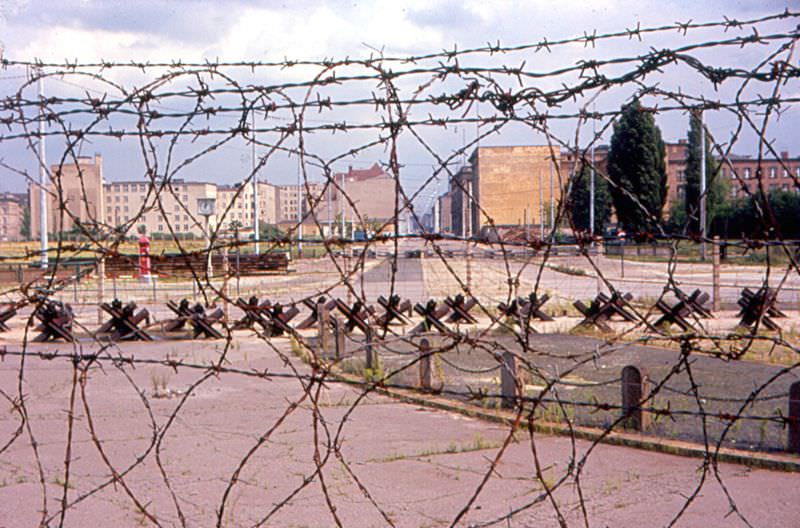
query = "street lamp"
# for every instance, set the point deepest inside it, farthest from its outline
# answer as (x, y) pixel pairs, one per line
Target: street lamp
(206, 207)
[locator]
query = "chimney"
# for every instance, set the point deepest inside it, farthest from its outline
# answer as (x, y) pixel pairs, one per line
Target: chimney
(785, 155)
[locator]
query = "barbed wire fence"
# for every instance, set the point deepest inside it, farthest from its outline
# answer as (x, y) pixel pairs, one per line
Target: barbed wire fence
(178, 115)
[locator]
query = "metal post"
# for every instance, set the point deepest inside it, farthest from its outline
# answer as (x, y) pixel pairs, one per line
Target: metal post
(42, 177)
(541, 207)
(255, 189)
(552, 202)
(703, 221)
(101, 287)
(717, 301)
(591, 181)
(299, 213)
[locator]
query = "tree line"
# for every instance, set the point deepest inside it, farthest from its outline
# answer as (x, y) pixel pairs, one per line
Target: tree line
(635, 188)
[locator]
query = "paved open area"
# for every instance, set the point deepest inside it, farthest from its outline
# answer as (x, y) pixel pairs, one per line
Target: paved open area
(152, 445)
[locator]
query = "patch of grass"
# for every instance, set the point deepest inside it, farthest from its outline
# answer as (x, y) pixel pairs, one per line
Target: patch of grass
(568, 270)
(477, 443)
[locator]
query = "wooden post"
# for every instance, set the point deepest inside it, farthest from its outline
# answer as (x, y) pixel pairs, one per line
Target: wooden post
(508, 379)
(634, 390)
(101, 287)
(324, 336)
(339, 344)
(425, 370)
(717, 301)
(794, 418)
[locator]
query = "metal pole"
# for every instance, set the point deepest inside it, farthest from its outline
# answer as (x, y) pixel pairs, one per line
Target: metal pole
(42, 177)
(552, 203)
(255, 188)
(702, 187)
(591, 181)
(299, 213)
(541, 207)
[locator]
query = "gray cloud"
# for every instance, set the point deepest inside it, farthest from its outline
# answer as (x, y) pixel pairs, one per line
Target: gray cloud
(450, 14)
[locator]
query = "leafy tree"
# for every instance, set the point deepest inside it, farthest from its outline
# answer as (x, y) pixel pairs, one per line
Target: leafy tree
(717, 189)
(636, 166)
(580, 200)
(268, 231)
(760, 217)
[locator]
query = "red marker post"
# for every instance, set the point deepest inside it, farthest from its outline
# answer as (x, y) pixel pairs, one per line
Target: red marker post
(144, 259)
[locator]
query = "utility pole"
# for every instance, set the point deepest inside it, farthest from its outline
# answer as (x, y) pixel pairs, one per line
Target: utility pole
(42, 176)
(255, 187)
(702, 186)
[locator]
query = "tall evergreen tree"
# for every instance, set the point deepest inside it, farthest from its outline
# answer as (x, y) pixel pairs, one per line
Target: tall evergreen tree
(579, 201)
(717, 189)
(637, 167)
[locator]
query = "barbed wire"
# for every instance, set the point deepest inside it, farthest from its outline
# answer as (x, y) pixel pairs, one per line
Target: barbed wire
(534, 375)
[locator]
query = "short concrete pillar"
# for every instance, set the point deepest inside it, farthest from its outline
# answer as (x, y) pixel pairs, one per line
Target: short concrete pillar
(794, 418)
(425, 367)
(508, 379)
(369, 360)
(339, 334)
(324, 336)
(635, 388)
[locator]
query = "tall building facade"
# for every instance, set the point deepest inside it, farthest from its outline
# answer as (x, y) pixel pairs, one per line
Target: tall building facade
(506, 186)
(12, 214)
(75, 195)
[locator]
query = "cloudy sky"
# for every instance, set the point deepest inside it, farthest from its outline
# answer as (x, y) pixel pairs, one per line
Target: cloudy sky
(189, 30)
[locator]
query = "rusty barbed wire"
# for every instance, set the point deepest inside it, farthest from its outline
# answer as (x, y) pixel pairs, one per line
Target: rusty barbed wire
(497, 356)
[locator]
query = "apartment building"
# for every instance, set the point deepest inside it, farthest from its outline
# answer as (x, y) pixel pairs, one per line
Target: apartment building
(75, 194)
(12, 212)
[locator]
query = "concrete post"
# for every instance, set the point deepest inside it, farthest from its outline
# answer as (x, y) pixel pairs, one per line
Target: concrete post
(324, 335)
(508, 379)
(635, 388)
(425, 369)
(794, 418)
(369, 359)
(339, 344)
(717, 301)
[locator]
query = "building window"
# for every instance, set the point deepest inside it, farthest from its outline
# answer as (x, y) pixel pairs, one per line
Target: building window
(785, 173)
(772, 173)
(185, 227)
(116, 198)
(747, 173)
(160, 228)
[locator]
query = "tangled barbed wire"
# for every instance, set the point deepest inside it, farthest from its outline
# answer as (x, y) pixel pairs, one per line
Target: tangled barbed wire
(480, 346)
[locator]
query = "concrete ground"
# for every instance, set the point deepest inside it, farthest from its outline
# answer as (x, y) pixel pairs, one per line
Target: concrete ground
(174, 438)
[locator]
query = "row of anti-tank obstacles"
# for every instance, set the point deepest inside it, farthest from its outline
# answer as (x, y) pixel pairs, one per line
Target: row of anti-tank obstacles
(274, 319)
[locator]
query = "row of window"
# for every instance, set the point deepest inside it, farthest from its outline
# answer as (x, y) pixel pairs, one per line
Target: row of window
(747, 173)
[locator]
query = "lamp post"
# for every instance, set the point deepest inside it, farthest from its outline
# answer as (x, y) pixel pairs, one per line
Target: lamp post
(206, 207)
